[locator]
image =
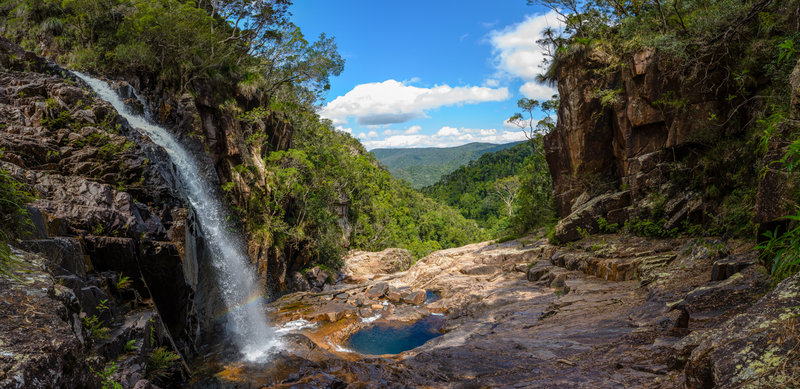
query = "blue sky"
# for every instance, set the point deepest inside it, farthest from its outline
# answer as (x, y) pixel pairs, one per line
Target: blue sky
(429, 73)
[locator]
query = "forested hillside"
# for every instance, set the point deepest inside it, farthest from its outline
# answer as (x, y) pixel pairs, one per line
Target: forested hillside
(421, 167)
(485, 189)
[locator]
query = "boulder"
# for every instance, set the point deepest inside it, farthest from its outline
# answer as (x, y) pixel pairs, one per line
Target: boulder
(559, 282)
(748, 350)
(585, 217)
(64, 254)
(317, 277)
(727, 267)
(334, 312)
(162, 270)
(39, 347)
(480, 270)
(415, 298)
(298, 282)
(394, 295)
(538, 270)
(90, 298)
(377, 291)
(716, 297)
(362, 264)
(114, 254)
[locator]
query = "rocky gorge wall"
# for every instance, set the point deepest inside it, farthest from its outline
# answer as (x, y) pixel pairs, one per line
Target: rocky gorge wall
(217, 134)
(107, 234)
(632, 140)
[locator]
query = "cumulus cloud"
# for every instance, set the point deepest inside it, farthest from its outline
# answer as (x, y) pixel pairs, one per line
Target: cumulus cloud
(345, 130)
(447, 137)
(517, 54)
(412, 130)
(447, 131)
(393, 101)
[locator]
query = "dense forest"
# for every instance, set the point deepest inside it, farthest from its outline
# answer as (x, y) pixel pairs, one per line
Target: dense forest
(425, 166)
(486, 189)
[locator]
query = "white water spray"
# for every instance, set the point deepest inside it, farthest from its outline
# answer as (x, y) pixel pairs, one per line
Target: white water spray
(236, 278)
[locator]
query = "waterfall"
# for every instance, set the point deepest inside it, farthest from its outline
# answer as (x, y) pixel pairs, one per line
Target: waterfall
(237, 281)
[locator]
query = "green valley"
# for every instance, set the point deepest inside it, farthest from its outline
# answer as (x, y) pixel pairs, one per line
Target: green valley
(422, 167)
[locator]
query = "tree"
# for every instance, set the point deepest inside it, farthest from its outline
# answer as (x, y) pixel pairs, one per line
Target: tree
(507, 190)
(254, 24)
(526, 121)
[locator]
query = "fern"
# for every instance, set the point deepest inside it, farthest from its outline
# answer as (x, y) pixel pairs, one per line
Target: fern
(161, 360)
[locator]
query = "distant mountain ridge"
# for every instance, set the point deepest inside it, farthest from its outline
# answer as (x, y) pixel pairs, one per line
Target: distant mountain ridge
(425, 166)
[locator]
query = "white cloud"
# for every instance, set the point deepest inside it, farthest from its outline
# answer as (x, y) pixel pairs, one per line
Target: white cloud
(345, 130)
(517, 54)
(397, 102)
(413, 130)
(447, 131)
(399, 141)
(447, 137)
(535, 90)
(491, 82)
(372, 134)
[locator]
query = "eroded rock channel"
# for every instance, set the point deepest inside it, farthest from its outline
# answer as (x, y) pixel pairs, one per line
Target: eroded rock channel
(608, 311)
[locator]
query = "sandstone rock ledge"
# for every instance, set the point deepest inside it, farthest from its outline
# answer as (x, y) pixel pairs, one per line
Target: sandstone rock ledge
(608, 311)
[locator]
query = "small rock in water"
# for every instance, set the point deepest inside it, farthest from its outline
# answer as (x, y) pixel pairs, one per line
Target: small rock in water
(416, 298)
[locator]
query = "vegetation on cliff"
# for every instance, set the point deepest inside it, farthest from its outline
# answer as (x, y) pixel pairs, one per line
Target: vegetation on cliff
(327, 178)
(309, 198)
(13, 216)
(725, 64)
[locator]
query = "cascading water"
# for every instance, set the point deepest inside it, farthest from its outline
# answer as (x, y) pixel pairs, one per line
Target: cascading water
(236, 278)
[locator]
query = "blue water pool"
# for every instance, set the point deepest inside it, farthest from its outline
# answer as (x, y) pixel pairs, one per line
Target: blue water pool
(431, 296)
(395, 337)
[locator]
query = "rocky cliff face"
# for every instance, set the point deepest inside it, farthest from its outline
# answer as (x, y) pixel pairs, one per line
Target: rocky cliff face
(105, 212)
(223, 140)
(641, 133)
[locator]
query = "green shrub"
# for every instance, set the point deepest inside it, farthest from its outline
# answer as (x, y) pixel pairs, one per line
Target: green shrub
(160, 361)
(96, 328)
(607, 227)
(130, 346)
(123, 281)
(57, 120)
(106, 382)
(782, 250)
(13, 217)
(650, 228)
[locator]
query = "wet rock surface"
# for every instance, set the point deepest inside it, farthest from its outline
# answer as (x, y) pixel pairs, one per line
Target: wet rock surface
(38, 345)
(103, 254)
(608, 311)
